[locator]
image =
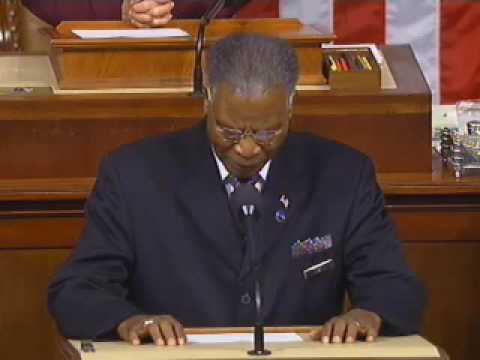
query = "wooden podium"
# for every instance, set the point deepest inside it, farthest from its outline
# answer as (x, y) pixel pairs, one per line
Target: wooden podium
(166, 63)
(285, 344)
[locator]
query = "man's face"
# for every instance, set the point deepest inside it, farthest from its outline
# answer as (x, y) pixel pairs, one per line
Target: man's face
(265, 118)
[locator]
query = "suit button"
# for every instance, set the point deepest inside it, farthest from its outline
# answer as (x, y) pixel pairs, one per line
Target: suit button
(246, 299)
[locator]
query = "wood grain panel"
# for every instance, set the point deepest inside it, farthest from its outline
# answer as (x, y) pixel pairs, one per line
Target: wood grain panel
(27, 329)
(37, 232)
(65, 136)
(448, 224)
(377, 138)
(70, 148)
(106, 63)
(99, 107)
(451, 276)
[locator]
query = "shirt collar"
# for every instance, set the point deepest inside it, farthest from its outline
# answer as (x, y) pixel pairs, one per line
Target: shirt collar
(224, 172)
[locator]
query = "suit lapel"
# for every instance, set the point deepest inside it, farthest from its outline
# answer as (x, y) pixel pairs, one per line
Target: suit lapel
(290, 177)
(202, 194)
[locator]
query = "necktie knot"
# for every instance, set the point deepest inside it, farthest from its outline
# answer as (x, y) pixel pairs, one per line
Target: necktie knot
(232, 183)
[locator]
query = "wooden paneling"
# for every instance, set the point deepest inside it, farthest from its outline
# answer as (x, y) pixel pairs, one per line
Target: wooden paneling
(35, 231)
(27, 329)
(447, 224)
(166, 63)
(451, 275)
(70, 148)
(367, 139)
(65, 136)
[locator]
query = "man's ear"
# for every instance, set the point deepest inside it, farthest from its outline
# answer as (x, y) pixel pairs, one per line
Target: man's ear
(207, 101)
(206, 104)
(291, 100)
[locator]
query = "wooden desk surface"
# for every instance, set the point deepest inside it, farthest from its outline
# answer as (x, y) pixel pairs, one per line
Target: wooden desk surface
(384, 348)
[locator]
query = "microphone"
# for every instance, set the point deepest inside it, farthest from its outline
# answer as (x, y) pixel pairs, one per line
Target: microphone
(210, 14)
(248, 201)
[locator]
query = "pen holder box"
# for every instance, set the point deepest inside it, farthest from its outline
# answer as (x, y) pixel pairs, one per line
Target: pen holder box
(352, 69)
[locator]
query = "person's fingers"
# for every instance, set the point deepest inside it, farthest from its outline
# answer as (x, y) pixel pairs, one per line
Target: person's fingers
(162, 9)
(122, 331)
(326, 333)
(155, 334)
(162, 329)
(144, 6)
(147, 20)
(179, 331)
(338, 332)
(151, 13)
(352, 331)
(140, 330)
(161, 21)
(371, 334)
(166, 327)
(141, 18)
(133, 336)
(138, 24)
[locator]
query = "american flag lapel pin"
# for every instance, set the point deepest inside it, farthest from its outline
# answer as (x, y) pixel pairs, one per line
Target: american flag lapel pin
(281, 215)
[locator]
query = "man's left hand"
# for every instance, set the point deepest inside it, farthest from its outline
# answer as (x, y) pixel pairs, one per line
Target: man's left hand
(349, 327)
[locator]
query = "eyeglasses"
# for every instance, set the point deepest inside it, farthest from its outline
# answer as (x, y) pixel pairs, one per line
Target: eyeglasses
(263, 137)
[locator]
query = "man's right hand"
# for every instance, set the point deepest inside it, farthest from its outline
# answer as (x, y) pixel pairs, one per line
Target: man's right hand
(164, 330)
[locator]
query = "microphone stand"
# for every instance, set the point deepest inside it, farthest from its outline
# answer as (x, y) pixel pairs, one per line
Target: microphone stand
(198, 89)
(250, 214)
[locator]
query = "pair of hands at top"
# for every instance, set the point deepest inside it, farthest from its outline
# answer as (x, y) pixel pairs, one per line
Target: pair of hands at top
(165, 330)
(148, 13)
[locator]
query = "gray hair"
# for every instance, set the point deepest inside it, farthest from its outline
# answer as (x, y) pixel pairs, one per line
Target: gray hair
(253, 64)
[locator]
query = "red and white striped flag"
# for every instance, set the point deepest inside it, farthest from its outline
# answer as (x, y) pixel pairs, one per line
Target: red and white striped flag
(445, 34)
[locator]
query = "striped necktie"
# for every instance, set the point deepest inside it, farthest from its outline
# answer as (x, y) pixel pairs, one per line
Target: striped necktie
(231, 185)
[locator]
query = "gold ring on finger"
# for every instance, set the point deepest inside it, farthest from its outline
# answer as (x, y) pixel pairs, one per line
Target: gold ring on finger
(149, 322)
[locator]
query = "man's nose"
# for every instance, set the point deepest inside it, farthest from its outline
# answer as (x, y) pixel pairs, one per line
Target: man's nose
(247, 147)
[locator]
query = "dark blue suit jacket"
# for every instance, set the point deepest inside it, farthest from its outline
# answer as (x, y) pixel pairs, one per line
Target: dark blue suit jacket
(160, 240)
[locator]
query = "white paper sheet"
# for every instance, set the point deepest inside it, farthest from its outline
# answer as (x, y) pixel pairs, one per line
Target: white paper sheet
(237, 337)
(162, 33)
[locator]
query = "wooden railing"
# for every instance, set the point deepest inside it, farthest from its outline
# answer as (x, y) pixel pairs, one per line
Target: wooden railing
(9, 25)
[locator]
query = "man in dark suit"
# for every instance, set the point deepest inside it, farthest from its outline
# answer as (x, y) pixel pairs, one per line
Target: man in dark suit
(162, 249)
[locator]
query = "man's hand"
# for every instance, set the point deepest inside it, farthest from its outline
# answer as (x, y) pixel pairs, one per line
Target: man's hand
(162, 329)
(349, 327)
(148, 13)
